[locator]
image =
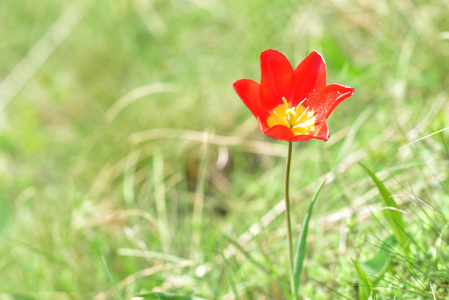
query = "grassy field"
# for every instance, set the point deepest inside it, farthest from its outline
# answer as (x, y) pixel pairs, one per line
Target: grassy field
(128, 163)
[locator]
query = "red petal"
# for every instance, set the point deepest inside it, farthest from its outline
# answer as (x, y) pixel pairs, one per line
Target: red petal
(276, 78)
(248, 90)
(302, 138)
(279, 132)
(323, 134)
(310, 75)
(326, 100)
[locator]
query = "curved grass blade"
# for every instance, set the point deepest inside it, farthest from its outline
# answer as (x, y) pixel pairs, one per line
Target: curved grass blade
(365, 286)
(165, 296)
(379, 264)
(301, 249)
(391, 211)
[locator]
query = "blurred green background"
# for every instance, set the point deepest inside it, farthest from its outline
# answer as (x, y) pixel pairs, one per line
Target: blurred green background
(129, 164)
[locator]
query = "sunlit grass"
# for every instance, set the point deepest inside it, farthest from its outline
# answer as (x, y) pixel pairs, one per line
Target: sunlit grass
(128, 164)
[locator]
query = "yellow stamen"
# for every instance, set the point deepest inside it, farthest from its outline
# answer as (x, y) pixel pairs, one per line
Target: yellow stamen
(299, 119)
(302, 115)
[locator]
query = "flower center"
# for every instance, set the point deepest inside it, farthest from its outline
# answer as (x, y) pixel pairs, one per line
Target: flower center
(299, 119)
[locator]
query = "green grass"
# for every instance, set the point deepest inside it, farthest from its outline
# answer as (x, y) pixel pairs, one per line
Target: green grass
(101, 199)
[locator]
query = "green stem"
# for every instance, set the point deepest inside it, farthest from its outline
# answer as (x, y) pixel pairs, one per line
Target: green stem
(287, 219)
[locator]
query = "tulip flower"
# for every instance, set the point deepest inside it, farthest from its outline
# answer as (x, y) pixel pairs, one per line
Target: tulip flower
(292, 105)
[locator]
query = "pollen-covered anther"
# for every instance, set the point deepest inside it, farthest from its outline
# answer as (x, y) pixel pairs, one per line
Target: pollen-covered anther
(291, 116)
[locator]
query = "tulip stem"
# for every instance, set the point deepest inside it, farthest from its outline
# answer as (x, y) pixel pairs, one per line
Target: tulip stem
(287, 219)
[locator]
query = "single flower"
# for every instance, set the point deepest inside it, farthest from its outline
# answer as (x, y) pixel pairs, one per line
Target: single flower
(292, 105)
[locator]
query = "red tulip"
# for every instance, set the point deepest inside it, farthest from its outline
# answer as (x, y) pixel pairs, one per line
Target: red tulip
(292, 105)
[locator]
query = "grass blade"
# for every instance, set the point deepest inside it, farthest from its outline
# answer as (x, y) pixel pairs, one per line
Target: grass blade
(246, 254)
(391, 211)
(165, 296)
(230, 277)
(302, 243)
(379, 264)
(111, 279)
(365, 287)
(161, 201)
